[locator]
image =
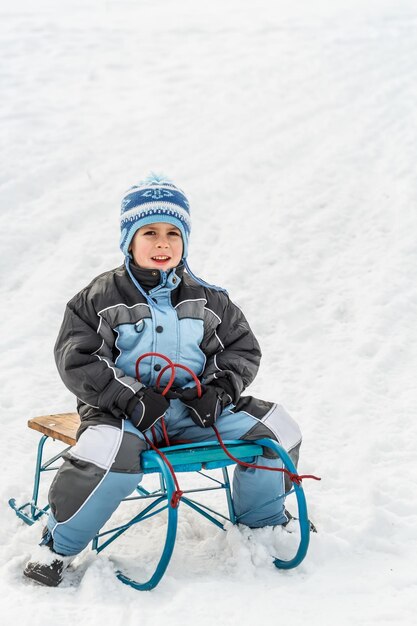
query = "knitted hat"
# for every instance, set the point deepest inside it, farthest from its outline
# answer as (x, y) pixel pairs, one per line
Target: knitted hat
(155, 199)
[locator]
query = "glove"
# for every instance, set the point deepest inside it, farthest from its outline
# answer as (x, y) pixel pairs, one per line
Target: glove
(174, 393)
(204, 411)
(147, 408)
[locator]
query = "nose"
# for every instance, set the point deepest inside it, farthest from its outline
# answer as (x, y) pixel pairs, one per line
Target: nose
(162, 242)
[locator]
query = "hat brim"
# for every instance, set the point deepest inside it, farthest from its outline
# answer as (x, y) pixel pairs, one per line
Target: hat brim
(130, 230)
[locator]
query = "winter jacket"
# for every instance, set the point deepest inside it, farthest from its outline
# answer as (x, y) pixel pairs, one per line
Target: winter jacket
(110, 323)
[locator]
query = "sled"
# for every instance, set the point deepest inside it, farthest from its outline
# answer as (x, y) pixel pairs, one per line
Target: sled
(196, 457)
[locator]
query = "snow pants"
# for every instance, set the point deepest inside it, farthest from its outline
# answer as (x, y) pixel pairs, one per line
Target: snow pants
(103, 468)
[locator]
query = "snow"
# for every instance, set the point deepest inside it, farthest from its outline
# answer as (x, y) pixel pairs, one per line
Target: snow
(292, 128)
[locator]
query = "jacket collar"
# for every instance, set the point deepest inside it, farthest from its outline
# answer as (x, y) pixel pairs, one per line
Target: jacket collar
(150, 279)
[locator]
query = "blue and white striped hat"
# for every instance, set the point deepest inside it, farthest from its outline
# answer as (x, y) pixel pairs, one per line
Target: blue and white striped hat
(155, 199)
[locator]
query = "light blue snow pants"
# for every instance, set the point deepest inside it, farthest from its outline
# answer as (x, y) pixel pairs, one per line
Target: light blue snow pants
(103, 468)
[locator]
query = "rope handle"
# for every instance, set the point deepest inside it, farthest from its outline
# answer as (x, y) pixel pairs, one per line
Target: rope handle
(183, 367)
(176, 497)
(170, 365)
(178, 493)
(295, 478)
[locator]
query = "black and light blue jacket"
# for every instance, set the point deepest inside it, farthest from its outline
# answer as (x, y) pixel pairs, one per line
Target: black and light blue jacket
(110, 323)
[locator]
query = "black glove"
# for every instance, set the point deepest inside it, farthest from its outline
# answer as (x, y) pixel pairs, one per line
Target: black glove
(174, 393)
(146, 409)
(204, 411)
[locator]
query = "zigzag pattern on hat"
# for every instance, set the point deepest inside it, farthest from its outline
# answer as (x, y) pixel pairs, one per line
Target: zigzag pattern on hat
(146, 209)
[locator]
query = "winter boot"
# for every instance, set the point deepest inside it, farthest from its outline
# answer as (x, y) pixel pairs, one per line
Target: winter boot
(291, 518)
(46, 566)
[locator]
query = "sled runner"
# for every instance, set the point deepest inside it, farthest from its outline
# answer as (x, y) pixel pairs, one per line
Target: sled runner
(196, 457)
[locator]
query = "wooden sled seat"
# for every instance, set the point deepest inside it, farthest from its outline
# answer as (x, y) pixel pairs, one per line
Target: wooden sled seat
(62, 426)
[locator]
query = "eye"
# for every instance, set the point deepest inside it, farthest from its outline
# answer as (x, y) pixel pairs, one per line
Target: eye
(175, 233)
(149, 232)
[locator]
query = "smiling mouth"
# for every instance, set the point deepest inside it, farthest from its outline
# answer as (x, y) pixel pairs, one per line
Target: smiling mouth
(161, 258)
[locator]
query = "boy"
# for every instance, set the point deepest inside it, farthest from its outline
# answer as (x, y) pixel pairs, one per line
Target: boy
(153, 303)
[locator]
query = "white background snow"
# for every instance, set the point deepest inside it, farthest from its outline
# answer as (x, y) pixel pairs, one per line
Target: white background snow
(292, 126)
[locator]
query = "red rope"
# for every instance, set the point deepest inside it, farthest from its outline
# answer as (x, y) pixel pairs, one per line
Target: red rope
(154, 435)
(176, 496)
(183, 367)
(295, 478)
(161, 356)
(164, 430)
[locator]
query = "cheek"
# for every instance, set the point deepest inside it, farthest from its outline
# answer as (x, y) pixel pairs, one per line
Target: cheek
(179, 248)
(140, 248)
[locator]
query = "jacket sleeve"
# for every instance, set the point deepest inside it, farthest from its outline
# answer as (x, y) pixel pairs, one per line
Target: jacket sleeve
(235, 363)
(83, 356)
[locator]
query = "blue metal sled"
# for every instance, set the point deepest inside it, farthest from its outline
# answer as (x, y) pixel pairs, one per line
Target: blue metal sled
(198, 457)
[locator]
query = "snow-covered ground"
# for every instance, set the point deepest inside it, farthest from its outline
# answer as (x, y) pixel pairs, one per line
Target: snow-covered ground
(292, 126)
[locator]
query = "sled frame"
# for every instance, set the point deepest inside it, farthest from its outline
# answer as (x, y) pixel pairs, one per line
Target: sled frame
(198, 458)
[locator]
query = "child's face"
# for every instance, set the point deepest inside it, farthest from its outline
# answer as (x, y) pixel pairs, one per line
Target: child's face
(157, 246)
